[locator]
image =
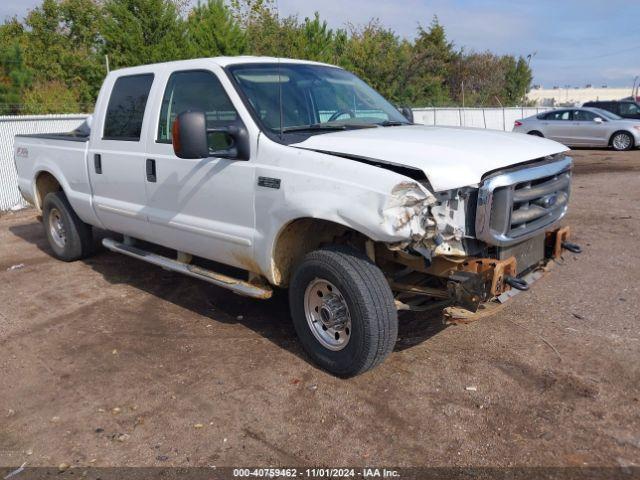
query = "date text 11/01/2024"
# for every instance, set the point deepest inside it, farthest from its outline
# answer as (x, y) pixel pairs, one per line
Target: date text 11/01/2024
(316, 472)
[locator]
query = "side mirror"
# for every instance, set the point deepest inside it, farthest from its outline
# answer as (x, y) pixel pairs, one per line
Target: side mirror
(407, 113)
(598, 120)
(189, 136)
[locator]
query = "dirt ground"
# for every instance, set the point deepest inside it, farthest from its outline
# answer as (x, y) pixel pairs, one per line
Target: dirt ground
(111, 361)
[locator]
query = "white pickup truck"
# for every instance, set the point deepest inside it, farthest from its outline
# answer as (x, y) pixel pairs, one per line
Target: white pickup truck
(253, 173)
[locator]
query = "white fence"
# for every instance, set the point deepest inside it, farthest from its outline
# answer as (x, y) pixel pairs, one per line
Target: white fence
(10, 126)
(494, 118)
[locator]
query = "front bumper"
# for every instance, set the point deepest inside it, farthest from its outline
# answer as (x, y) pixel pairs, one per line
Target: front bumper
(486, 297)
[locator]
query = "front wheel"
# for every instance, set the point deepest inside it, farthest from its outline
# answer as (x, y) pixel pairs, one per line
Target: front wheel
(343, 310)
(622, 141)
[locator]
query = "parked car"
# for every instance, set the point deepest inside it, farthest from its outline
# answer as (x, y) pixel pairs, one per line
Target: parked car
(623, 108)
(583, 127)
(298, 175)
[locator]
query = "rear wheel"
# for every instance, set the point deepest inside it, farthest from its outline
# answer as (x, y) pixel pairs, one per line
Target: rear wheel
(343, 310)
(622, 141)
(535, 133)
(69, 237)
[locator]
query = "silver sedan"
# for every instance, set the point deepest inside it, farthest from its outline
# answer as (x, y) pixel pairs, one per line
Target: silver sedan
(583, 127)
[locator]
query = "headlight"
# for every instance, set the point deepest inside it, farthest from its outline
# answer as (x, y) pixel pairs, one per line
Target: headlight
(455, 212)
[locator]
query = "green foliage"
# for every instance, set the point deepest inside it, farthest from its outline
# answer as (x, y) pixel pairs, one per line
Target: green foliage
(212, 30)
(60, 47)
(15, 77)
(517, 79)
(50, 97)
(61, 43)
(375, 54)
(136, 32)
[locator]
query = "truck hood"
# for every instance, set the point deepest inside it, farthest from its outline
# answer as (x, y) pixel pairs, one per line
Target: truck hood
(450, 157)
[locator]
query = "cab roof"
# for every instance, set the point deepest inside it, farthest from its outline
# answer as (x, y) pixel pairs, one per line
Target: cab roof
(207, 61)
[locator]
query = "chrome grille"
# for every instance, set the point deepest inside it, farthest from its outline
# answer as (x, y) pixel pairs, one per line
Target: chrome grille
(518, 204)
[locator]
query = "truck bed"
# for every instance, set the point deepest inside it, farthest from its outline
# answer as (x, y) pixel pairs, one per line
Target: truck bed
(68, 136)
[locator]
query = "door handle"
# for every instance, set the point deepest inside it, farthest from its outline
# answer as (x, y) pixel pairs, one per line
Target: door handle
(97, 163)
(151, 170)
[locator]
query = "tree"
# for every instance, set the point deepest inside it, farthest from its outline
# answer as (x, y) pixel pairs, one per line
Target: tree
(377, 55)
(50, 97)
(426, 81)
(518, 77)
(137, 32)
(62, 45)
(212, 30)
(15, 77)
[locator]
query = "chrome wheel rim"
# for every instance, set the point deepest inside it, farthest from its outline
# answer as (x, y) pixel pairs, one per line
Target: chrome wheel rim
(327, 314)
(56, 228)
(621, 142)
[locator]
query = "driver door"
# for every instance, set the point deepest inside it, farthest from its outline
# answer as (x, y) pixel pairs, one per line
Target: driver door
(587, 130)
(204, 206)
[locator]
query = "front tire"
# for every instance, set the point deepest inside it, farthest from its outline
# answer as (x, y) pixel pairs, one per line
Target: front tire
(69, 237)
(343, 310)
(622, 141)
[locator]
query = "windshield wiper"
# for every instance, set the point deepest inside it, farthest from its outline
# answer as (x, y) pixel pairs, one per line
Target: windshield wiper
(327, 126)
(313, 126)
(392, 123)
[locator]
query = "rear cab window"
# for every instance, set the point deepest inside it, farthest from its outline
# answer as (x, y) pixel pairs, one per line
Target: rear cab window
(125, 111)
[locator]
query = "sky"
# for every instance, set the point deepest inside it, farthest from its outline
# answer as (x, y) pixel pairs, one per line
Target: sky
(572, 42)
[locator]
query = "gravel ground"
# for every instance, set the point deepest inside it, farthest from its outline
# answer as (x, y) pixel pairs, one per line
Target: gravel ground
(110, 361)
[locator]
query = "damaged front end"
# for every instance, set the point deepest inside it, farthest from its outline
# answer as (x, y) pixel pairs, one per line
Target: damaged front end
(468, 250)
(433, 224)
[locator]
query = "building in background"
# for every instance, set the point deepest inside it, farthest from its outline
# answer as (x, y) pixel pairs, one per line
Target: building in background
(574, 96)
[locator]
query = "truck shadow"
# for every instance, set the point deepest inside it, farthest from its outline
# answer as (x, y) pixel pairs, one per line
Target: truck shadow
(270, 319)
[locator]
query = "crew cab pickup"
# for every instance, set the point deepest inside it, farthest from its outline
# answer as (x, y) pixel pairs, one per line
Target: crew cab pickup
(256, 173)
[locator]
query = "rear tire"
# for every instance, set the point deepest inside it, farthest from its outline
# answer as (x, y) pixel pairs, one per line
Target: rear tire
(69, 237)
(621, 141)
(535, 133)
(343, 310)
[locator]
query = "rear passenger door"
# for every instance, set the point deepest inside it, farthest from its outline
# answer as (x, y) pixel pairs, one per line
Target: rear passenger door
(557, 126)
(200, 206)
(117, 157)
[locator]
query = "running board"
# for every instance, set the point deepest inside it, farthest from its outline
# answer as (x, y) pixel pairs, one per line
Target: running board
(240, 287)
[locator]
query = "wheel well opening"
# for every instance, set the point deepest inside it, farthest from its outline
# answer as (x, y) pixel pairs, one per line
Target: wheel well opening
(45, 184)
(304, 235)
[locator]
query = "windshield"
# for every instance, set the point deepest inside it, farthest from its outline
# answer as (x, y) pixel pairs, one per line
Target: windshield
(606, 114)
(314, 97)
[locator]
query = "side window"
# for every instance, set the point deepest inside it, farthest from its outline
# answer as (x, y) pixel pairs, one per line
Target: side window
(197, 90)
(125, 111)
(629, 109)
(583, 116)
(559, 115)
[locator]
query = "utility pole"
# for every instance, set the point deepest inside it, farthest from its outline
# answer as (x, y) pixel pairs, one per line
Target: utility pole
(106, 62)
(529, 57)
